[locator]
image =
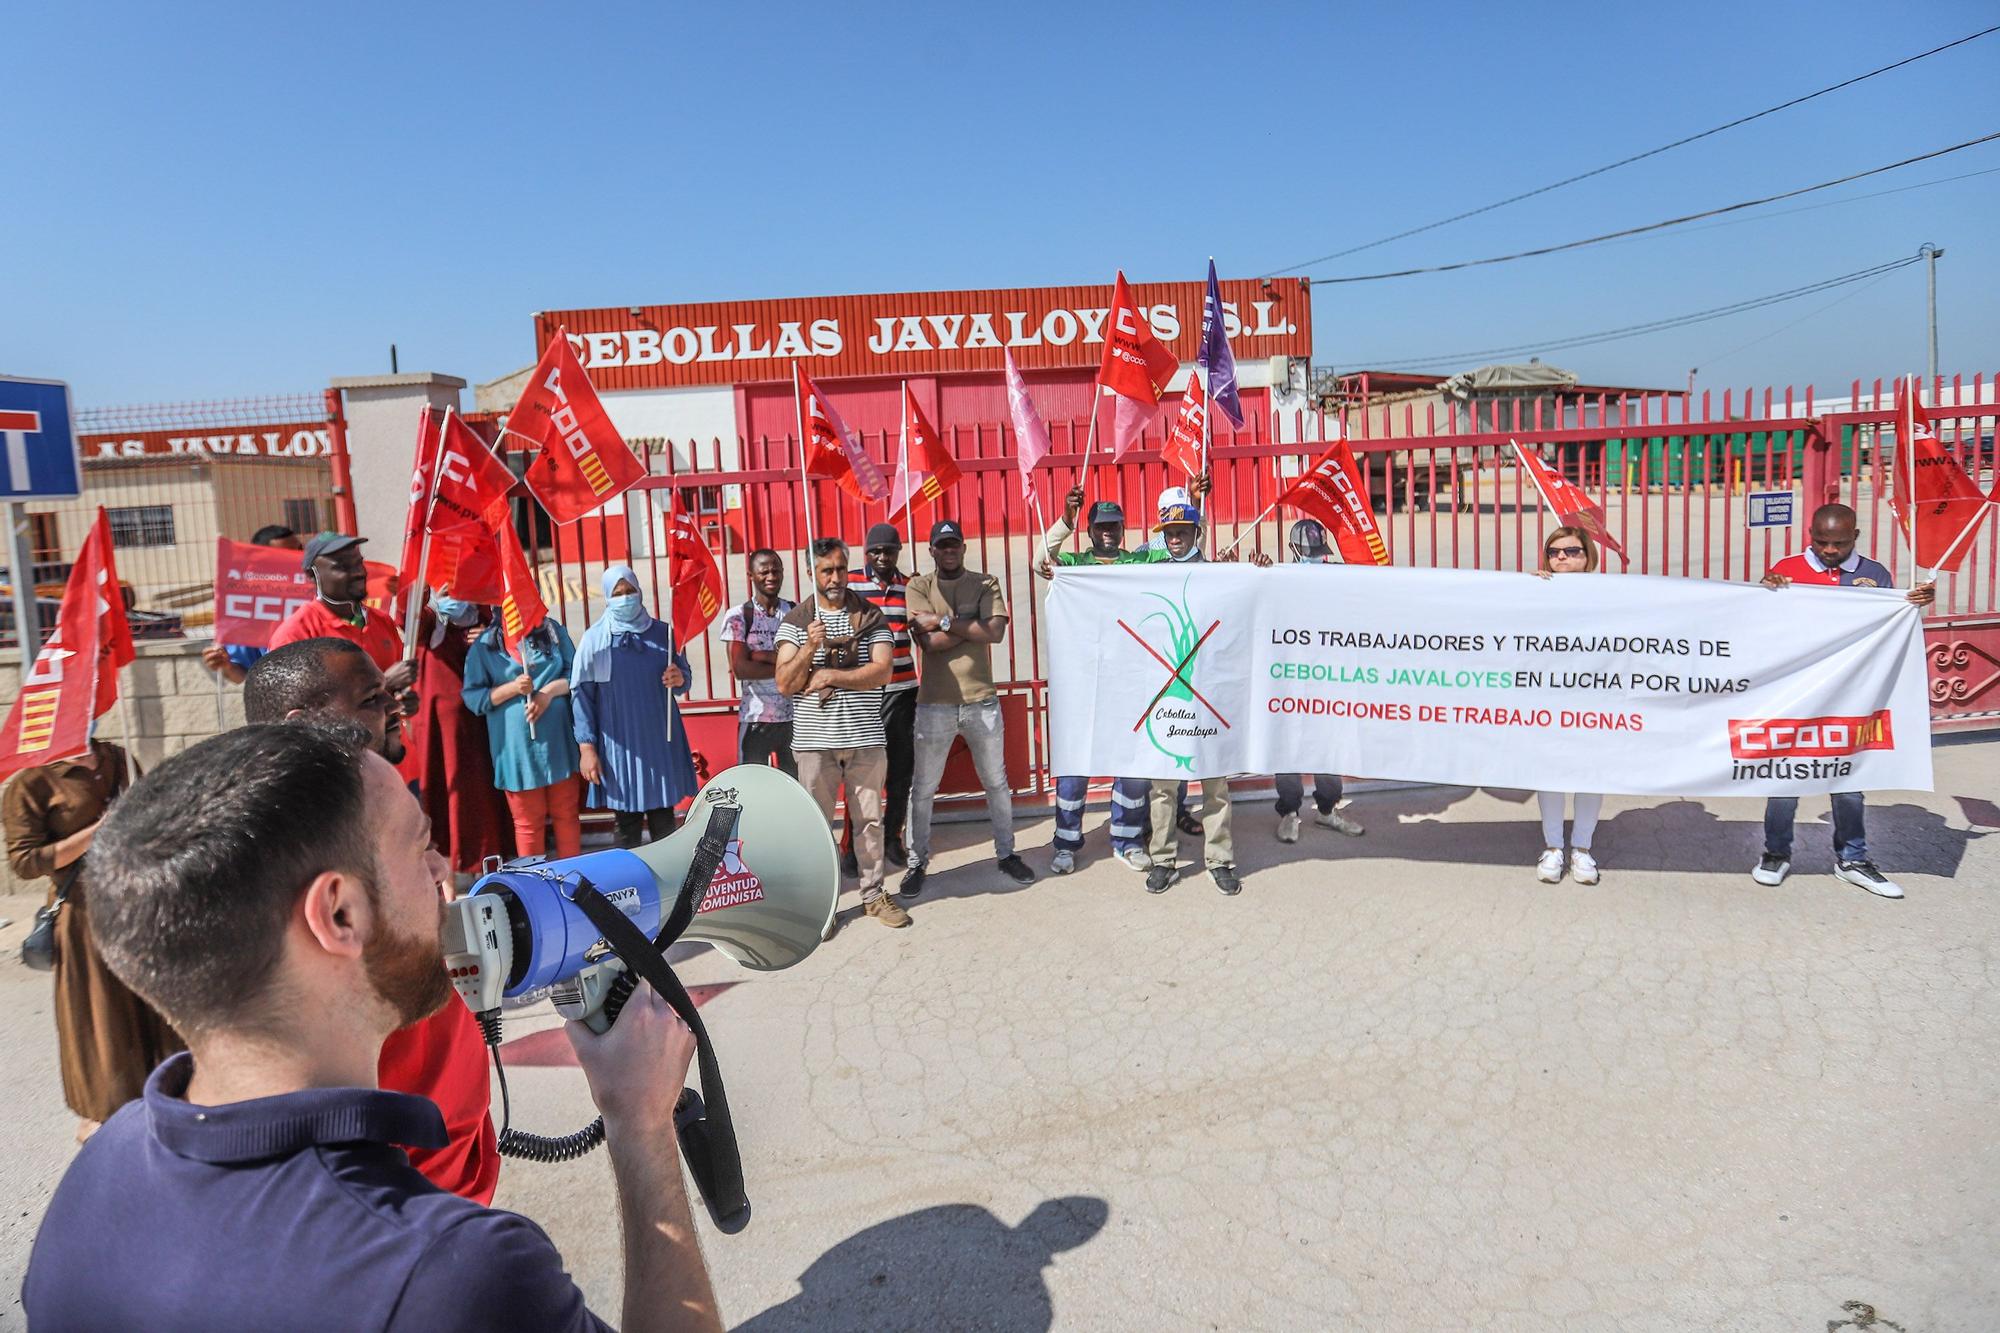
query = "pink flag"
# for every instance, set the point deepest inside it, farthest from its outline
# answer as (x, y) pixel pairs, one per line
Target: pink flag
(1031, 437)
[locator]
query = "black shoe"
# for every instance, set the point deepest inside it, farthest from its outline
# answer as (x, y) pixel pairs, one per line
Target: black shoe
(895, 851)
(1187, 823)
(913, 880)
(1161, 878)
(848, 865)
(1014, 868)
(1225, 880)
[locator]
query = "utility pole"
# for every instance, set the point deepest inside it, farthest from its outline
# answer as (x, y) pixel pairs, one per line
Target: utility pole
(1932, 253)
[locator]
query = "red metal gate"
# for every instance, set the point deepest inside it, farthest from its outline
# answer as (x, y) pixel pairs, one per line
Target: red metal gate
(1675, 475)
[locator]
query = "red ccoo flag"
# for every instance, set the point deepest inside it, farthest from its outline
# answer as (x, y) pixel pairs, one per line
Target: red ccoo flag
(428, 432)
(467, 565)
(583, 461)
(1183, 448)
(1567, 500)
(1331, 491)
(469, 480)
(694, 578)
(522, 609)
(75, 677)
(1928, 482)
(1136, 368)
(832, 451)
(926, 470)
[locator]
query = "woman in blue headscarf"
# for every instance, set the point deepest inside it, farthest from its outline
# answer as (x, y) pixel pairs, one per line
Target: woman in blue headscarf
(633, 748)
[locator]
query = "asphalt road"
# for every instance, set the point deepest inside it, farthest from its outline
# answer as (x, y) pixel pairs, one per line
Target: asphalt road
(1397, 1084)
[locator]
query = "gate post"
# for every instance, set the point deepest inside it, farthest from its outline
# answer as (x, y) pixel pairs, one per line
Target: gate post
(1822, 468)
(343, 467)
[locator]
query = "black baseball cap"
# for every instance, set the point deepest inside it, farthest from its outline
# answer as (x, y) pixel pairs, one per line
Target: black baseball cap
(882, 534)
(328, 543)
(946, 530)
(1106, 511)
(1309, 540)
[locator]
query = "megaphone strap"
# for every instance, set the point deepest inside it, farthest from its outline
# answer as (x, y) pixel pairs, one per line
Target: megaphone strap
(707, 859)
(709, 1143)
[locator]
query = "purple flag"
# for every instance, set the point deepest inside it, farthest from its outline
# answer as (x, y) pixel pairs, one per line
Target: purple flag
(1031, 437)
(1215, 357)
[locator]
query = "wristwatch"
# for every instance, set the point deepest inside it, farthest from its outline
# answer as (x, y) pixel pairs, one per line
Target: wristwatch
(944, 624)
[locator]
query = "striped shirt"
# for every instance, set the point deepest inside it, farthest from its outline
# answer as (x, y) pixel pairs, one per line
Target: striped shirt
(893, 604)
(848, 719)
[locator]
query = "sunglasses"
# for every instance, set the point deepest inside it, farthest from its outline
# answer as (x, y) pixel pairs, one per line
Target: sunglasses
(1573, 552)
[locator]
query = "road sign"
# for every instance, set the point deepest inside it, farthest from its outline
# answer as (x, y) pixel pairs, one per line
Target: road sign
(1770, 509)
(37, 441)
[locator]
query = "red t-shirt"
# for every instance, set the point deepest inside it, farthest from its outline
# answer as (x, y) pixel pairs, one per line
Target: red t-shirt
(1857, 571)
(444, 1058)
(376, 633)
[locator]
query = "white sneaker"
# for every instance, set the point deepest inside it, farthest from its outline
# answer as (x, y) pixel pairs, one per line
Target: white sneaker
(1770, 871)
(1868, 877)
(1288, 827)
(1339, 823)
(1062, 862)
(1582, 866)
(1549, 869)
(1135, 858)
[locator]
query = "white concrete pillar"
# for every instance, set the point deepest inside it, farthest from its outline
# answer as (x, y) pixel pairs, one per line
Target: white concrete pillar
(382, 413)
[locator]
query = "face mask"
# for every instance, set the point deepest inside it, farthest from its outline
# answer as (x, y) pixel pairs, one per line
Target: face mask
(455, 611)
(626, 609)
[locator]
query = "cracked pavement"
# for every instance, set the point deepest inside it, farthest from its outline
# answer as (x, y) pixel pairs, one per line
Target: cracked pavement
(1397, 1084)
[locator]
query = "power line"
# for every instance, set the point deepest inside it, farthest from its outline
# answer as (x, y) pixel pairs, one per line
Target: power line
(1830, 203)
(1814, 313)
(1640, 157)
(1657, 226)
(1657, 325)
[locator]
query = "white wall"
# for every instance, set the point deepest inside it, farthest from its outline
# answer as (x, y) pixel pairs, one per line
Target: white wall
(382, 412)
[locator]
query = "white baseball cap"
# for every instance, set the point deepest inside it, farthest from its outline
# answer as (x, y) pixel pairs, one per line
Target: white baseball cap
(1175, 495)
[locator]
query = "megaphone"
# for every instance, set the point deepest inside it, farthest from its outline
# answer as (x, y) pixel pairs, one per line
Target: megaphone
(770, 895)
(752, 871)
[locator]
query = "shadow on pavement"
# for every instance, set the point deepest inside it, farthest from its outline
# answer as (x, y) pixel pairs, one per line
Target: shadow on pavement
(1674, 835)
(956, 1266)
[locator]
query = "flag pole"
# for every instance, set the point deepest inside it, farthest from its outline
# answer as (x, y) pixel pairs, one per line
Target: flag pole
(1207, 439)
(1269, 509)
(1089, 443)
(903, 466)
(673, 631)
(416, 594)
(1907, 448)
(805, 482)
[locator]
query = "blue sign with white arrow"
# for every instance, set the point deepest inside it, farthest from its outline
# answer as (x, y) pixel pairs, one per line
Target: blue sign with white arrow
(38, 458)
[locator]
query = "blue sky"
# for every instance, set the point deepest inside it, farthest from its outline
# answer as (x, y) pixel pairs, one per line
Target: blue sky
(231, 201)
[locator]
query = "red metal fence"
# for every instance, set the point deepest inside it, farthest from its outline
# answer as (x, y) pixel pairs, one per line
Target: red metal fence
(1674, 473)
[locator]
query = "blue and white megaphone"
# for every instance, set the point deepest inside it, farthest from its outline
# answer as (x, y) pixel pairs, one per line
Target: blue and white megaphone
(752, 871)
(772, 881)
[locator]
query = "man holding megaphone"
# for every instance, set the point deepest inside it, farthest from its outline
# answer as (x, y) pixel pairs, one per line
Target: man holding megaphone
(273, 893)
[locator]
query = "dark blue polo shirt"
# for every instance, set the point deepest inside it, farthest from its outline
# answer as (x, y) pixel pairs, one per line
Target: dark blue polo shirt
(294, 1212)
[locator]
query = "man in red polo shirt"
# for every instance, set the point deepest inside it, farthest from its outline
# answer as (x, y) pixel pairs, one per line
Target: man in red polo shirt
(1831, 562)
(340, 576)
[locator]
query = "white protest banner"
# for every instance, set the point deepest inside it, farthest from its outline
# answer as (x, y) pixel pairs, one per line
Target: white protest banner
(1583, 682)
